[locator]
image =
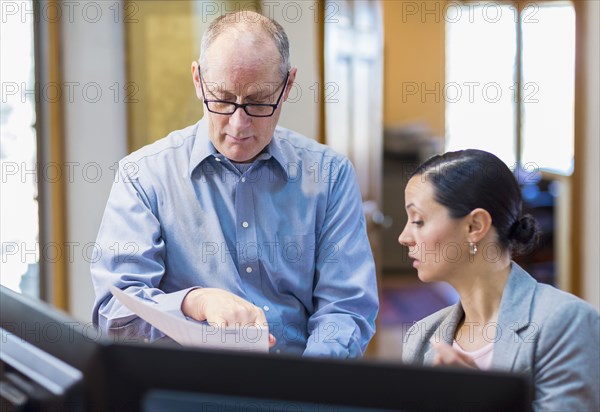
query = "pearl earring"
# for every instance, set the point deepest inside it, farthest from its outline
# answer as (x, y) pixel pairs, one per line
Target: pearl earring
(472, 248)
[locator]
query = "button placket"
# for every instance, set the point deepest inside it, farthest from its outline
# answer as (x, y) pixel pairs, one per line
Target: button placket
(246, 233)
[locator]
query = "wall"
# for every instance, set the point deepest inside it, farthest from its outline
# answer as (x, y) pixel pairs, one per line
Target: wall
(414, 63)
(591, 172)
(95, 133)
(300, 112)
(161, 44)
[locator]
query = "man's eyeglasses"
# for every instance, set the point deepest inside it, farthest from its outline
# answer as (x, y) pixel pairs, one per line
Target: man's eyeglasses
(251, 109)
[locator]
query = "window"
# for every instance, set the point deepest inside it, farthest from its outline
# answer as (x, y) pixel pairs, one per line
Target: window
(548, 67)
(19, 227)
(510, 82)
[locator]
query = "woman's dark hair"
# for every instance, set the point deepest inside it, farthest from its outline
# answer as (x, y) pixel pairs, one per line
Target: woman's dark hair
(470, 179)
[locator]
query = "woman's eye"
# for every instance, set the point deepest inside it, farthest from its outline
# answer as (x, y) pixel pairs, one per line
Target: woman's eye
(417, 222)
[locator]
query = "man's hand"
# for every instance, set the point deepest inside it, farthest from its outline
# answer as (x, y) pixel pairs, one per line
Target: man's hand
(222, 308)
(447, 355)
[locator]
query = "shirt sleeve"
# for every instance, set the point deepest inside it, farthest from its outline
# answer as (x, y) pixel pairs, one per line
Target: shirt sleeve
(345, 288)
(129, 254)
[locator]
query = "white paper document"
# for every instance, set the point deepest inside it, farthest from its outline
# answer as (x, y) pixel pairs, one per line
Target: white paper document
(196, 334)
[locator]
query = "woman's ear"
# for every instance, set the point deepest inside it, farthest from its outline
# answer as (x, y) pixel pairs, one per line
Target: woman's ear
(480, 223)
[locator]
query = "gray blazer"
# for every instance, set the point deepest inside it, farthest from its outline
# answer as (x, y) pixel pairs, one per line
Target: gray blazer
(546, 333)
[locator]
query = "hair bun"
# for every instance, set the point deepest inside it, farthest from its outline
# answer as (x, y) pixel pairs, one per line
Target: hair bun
(524, 234)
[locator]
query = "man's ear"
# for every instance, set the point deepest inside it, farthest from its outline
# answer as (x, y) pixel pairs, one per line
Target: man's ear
(290, 82)
(480, 223)
(196, 79)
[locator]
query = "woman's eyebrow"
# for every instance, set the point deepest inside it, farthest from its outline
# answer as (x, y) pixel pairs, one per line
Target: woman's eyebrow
(408, 206)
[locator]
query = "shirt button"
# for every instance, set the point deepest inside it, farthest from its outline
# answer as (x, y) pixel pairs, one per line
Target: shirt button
(217, 159)
(248, 269)
(245, 224)
(243, 179)
(266, 308)
(278, 351)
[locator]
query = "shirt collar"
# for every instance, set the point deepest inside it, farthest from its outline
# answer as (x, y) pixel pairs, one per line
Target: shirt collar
(275, 150)
(203, 149)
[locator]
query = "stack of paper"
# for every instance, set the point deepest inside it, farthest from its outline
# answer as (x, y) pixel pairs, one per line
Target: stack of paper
(197, 334)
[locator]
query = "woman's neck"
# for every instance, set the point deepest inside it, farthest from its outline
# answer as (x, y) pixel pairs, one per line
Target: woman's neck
(480, 289)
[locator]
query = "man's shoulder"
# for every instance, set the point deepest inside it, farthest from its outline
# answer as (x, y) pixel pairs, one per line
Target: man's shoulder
(175, 144)
(300, 147)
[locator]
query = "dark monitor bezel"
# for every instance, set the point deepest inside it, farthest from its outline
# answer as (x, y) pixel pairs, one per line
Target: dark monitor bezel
(338, 383)
(53, 343)
(119, 376)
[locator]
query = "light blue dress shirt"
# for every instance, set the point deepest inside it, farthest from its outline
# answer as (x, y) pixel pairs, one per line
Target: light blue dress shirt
(287, 235)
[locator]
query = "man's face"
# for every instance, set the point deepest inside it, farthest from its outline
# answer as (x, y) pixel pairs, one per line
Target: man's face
(241, 69)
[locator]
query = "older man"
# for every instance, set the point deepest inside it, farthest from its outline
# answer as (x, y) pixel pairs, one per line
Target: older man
(235, 220)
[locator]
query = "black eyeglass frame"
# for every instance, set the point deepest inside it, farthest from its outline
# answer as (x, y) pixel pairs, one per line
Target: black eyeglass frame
(243, 105)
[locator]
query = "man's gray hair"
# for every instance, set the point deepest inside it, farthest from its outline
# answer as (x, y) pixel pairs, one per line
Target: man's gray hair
(246, 18)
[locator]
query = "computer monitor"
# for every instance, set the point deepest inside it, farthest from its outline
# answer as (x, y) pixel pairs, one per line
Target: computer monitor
(151, 378)
(49, 360)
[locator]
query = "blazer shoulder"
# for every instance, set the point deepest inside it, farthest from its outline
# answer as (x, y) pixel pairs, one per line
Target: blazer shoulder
(433, 321)
(416, 339)
(552, 303)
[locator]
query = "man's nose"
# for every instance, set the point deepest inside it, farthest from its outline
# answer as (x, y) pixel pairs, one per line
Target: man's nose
(240, 119)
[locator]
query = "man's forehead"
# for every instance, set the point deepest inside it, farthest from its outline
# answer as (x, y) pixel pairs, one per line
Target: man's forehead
(242, 80)
(233, 50)
(241, 65)
(243, 87)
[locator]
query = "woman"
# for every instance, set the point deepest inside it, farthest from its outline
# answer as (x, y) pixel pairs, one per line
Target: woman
(465, 222)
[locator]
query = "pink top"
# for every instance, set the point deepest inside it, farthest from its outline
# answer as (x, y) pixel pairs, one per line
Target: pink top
(482, 357)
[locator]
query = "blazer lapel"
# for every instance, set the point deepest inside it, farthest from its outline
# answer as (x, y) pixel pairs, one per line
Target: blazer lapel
(514, 317)
(445, 332)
